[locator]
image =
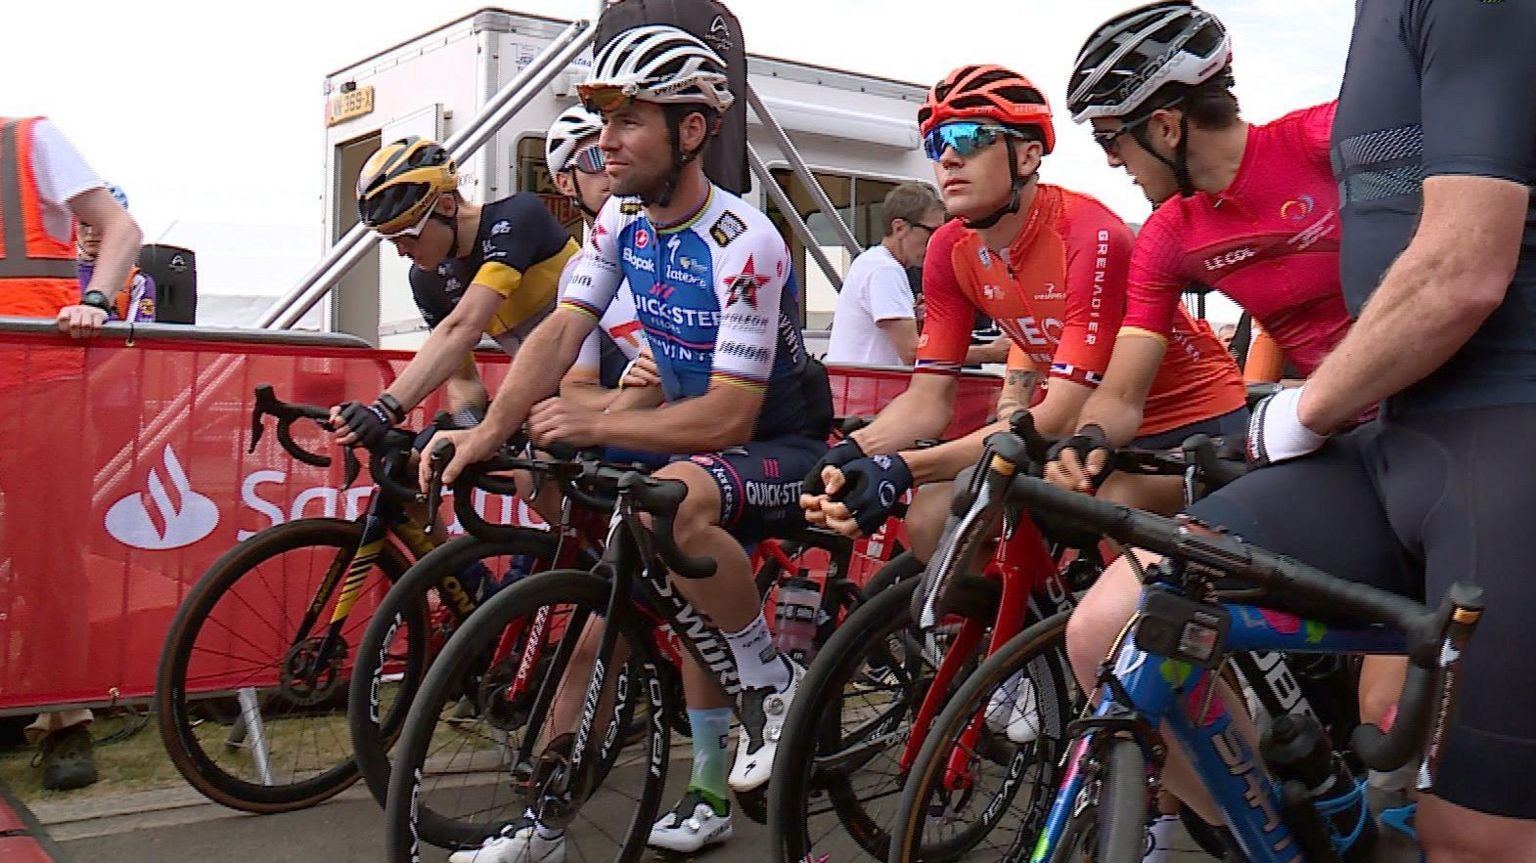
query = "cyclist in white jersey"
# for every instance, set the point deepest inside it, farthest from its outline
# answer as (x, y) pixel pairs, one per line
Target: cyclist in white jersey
(712, 285)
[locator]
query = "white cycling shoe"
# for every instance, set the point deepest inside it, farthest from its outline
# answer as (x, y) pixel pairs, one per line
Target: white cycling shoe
(691, 826)
(524, 845)
(763, 711)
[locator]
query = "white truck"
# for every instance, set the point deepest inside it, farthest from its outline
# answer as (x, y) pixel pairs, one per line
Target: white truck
(858, 133)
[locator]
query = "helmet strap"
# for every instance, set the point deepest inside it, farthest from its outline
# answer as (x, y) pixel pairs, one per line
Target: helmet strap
(453, 225)
(578, 199)
(680, 157)
(1179, 164)
(1017, 183)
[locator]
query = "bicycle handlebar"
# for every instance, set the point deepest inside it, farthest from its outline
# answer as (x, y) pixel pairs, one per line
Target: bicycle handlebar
(1425, 629)
(661, 498)
(268, 404)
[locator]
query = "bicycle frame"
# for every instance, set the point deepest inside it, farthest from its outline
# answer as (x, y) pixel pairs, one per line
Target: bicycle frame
(1032, 588)
(1179, 697)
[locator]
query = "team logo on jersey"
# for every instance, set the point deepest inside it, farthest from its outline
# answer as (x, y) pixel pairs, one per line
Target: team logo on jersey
(727, 228)
(642, 238)
(501, 227)
(1297, 209)
(986, 256)
(742, 287)
(630, 208)
(452, 285)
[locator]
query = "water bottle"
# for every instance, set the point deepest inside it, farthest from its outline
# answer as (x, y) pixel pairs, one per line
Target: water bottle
(795, 619)
(1323, 801)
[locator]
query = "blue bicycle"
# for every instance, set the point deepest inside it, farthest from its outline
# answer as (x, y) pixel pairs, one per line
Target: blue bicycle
(1213, 596)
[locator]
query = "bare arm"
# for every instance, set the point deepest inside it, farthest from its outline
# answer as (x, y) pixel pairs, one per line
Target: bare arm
(582, 386)
(994, 352)
(1116, 406)
(536, 371)
(465, 389)
(447, 346)
(721, 418)
(922, 411)
(1452, 276)
(902, 333)
(121, 239)
(943, 462)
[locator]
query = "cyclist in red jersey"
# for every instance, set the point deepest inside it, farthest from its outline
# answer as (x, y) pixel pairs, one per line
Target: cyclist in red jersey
(1049, 266)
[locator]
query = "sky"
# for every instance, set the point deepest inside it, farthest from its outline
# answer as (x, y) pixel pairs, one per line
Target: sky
(210, 115)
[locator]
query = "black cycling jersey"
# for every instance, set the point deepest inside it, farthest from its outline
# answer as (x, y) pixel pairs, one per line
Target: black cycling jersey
(519, 252)
(1440, 87)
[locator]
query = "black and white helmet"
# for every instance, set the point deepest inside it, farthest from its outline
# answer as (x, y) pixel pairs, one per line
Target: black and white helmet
(574, 125)
(660, 63)
(1134, 55)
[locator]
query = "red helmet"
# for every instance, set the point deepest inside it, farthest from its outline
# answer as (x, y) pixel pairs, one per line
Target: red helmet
(988, 93)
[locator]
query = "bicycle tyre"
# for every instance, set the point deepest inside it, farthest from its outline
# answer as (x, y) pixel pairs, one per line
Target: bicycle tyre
(1122, 807)
(173, 705)
(371, 738)
(406, 820)
(1034, 644)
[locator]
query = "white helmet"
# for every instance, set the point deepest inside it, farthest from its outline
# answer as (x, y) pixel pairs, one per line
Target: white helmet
(660, 63)
(1137, 53)
(574, 125)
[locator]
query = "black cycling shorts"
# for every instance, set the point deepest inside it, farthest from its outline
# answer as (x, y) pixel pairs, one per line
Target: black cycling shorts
(1233, 424)
(1411, 505)
(760, 484)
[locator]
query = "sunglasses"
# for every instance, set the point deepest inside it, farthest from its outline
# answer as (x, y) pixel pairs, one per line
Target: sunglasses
(602, 98)
(1108, 139)
(589, 160)
(965, 138)
(413, 231)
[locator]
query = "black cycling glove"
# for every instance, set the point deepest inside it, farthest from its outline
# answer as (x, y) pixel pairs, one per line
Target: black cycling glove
(1088, 439)
(846, 451)
(873, 487)
(370, 423)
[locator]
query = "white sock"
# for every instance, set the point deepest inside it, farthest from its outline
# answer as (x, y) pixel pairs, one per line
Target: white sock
(1161, 832)
(757, 659)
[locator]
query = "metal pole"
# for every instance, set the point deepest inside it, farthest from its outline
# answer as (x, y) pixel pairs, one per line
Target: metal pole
(787, 207)
(497, 111)
(802, 171)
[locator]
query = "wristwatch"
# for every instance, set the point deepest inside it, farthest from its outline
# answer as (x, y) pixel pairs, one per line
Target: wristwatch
(96, 299)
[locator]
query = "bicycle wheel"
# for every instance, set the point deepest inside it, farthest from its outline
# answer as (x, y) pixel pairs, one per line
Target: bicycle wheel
(1109, 824)
(235, 652)
(458, 779)
(837, 769)
(385, 679)
(992, 795)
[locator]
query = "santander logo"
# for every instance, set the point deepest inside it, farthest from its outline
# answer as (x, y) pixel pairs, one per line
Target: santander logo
(156, 521)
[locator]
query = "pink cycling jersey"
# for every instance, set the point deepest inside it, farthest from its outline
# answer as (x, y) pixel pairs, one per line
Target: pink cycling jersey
(1270, 242)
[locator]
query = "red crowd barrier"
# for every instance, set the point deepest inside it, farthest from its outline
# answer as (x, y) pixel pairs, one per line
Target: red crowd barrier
(125, 473)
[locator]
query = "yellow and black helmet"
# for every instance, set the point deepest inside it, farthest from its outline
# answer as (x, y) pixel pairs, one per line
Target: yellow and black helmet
(400, 183)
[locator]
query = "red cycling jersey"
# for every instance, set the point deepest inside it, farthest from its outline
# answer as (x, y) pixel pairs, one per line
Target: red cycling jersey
(1060, 297)
(1270, 242)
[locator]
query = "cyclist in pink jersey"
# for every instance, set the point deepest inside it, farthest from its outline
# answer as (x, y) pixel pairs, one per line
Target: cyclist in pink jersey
(1249, 210)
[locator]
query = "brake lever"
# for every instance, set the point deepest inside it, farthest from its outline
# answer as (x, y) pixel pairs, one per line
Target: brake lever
(353, 468)
(442, 453)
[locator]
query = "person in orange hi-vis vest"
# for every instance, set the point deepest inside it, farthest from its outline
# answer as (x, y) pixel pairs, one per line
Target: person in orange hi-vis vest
(45, 187)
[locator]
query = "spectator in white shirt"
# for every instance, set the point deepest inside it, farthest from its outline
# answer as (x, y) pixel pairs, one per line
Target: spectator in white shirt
(874, 323)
